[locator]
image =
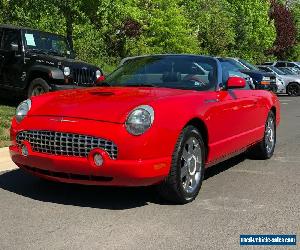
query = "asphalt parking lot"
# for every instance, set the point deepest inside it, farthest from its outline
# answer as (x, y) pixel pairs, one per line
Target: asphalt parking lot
(240, 196)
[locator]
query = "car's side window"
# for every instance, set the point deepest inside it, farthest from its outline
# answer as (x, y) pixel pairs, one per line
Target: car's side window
(291, 65)
(281, 64)
(9, 37)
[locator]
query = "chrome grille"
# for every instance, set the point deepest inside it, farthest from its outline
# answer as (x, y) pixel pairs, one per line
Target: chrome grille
(84, 76)
(66, 144)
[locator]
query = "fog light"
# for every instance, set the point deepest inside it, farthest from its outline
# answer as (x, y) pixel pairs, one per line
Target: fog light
(98, 160)
(24, 150)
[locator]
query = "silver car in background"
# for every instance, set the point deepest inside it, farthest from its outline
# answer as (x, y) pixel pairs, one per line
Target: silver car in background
(287, 83)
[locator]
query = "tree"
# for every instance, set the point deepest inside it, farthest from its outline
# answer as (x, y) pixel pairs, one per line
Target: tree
(285, 29)
(255, 33)
(213, 22)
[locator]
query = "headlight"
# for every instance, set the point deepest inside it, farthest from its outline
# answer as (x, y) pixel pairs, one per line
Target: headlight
(98, 74)
(266, 78)
(22, 110)
(67, 71)
(140, 120)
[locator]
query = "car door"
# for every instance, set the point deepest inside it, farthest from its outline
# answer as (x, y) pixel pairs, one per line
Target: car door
(12, 61)
(233, 117)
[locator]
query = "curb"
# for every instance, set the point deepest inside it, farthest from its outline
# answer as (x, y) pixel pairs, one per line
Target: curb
(5, 161)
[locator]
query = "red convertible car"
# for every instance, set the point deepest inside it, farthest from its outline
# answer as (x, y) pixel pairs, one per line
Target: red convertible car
(157, 120)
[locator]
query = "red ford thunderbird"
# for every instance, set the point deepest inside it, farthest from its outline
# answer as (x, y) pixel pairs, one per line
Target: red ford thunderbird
(157, 120)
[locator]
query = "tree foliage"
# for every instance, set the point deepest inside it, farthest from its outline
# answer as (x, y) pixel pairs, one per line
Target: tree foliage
(285, 28)
(104, 31)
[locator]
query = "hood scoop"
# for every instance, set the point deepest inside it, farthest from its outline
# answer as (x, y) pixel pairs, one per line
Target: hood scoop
(102, 93)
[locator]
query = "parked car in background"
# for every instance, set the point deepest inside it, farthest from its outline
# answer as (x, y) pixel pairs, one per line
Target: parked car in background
(158, 121)
(33, 62)
(261, 80)
(288, 83)
(290, 71)
(285, 64)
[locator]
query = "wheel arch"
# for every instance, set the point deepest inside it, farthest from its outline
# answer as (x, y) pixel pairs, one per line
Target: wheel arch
(293, 82)
(37, 74)
(273, 109)
(45, 72)
(202, 128)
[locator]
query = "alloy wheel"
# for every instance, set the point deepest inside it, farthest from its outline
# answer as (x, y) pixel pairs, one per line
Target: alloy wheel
(270, 135)
(191, 164)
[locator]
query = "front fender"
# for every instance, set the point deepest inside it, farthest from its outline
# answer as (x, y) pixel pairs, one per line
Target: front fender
(52, 72)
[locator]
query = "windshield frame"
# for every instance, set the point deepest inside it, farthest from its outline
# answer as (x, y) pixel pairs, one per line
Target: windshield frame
(163, 57)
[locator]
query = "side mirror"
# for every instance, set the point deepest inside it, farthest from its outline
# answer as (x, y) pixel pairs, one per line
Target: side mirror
(14, 47)
(234, 82)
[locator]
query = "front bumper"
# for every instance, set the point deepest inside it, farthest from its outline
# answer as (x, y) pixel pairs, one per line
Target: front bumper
(139, 163)
(83, 171)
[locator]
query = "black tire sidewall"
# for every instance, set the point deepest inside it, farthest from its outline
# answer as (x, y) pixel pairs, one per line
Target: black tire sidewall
(291, 84)
(188, 132)
(37, 82)
(269, 154)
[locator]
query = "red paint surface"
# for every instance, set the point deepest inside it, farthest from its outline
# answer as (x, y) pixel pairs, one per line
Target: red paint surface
(234, 120)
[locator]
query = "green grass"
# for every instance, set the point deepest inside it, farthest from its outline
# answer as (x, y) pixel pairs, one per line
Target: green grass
(6, 114)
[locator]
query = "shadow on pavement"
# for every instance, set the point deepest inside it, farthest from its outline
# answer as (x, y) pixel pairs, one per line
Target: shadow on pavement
(114, 198)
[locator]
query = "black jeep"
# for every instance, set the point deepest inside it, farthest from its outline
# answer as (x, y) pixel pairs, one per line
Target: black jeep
(33, 62)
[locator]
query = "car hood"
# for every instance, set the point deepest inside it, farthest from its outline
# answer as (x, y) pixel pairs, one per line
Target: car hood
(110, 104)
(53, 60)
(267, 74)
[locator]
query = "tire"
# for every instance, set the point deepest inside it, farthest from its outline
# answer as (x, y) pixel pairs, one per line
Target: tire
(265, 149)
(293, 89)
(37, 87)
(187, 168)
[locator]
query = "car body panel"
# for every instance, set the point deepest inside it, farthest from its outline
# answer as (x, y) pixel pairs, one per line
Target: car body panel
(231, 121)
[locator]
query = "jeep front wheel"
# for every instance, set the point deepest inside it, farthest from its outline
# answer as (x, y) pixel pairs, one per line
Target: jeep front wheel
(37, 87)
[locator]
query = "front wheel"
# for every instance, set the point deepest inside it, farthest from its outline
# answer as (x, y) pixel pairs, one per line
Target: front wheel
(293, 89)
(37, 87)
(187, 169)
(265, 149)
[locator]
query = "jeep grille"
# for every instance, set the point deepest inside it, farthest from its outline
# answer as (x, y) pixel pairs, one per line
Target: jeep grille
(84, 76)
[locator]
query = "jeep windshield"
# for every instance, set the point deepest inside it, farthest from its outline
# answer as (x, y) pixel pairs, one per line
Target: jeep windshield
(174, 71)
(47, 43)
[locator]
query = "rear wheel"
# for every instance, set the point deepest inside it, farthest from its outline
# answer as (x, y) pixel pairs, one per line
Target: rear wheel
(293, 89)
(187, 169)
(37, 87)
(265, 149)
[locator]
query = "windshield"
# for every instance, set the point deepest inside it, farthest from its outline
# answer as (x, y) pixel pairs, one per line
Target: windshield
(46, 43)
(231, 65)
(278, 71)
(248, 65)
(181, 72)
(290, 71)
